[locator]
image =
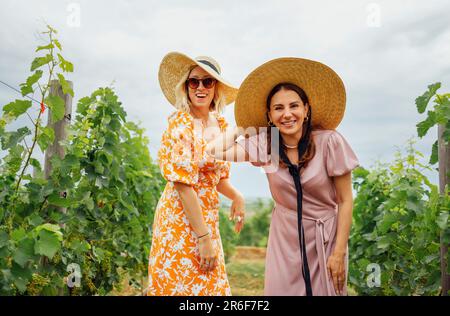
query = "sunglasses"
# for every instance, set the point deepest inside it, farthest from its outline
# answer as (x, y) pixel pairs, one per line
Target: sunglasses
(208, 83)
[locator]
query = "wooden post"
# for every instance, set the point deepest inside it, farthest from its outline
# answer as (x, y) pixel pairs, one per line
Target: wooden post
(59, 128)
(60, 134)
(444, 179)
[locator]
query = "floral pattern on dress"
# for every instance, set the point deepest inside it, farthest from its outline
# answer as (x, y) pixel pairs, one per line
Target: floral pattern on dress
(174, 267)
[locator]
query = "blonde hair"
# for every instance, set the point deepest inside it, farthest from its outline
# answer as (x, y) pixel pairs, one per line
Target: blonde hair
(183, 103)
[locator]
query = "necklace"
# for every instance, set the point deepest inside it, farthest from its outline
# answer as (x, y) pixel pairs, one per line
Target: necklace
(290, 147)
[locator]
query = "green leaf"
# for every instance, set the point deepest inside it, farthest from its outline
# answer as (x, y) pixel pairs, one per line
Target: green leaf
(46, 137)
(21, 276)
(80, 245)
(49, 46)
(65, 65)
(24, 252)
(35, 220)
(385, 224)
(14, 159)
(3, 239)
(384, 242)
(424, 126)
(442, 220)
(18, 234)
(51, 228)
(424, 99)
(99, 167)
(99, 253)
(27, 87)
(89, 202)
(65, 85)
(57, 44)
(11, 139)
(69, 163)
(47, 243)
(51, 29)
(35, 163)
(17, 107)
(434, 158)
(57, 200)
(57, 107)
(40, 61)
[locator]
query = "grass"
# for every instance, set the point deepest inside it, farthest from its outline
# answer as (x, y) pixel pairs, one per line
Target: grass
(246, 271)
(246, 277)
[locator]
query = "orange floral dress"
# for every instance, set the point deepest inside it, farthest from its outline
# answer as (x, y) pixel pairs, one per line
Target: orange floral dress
(174, 262)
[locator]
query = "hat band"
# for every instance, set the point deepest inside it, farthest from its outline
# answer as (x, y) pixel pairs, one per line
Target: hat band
(209, 64)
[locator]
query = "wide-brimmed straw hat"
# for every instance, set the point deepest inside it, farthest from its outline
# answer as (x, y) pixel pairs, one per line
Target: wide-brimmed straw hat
(175, 65)
(324, 88)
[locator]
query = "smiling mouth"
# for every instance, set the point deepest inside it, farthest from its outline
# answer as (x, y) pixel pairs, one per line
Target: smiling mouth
(201, 95)
(289, 123)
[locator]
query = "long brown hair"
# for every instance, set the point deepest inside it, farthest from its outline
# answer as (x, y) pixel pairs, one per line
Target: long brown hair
(306, 140)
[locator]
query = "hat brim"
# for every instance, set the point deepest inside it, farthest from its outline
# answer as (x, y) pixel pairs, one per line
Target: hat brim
(324, 88)
(175, 65)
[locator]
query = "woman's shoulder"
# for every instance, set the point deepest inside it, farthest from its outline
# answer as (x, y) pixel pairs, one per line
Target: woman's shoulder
(328, 138)
(326, 134)
(180, 119)
(323, 132)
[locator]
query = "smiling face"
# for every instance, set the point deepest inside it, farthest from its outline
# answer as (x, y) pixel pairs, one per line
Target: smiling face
(201, 96)
(288, 112)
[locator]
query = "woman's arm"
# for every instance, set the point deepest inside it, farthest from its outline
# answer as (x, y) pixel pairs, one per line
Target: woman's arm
(193, 211)
(344, 196)
(224, 147)
(238, 205)
(336, 261)
(192, 208)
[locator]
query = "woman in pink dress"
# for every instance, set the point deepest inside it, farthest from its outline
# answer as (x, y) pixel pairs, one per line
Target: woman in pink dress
(296, 104)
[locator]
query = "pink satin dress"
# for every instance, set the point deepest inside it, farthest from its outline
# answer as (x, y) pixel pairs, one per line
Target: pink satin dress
(283, 274)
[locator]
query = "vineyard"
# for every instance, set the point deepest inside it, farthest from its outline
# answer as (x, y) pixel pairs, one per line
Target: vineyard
(79, 222)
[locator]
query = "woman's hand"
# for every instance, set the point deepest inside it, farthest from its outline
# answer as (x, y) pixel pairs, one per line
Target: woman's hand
(336, 268)
(208, 256)
(237, 212)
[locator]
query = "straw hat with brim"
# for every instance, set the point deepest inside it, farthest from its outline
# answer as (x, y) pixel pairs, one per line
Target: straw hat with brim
(324, 88)
(175, 65)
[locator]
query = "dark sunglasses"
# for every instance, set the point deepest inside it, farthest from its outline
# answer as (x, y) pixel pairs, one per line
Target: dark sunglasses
(208, 83)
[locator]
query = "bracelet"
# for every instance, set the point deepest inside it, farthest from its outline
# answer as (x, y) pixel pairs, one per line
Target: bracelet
(199, 237)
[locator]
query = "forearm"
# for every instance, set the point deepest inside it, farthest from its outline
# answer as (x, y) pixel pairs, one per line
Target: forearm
(345, 210)
(192, 208)
(222, 143)
(227, 189)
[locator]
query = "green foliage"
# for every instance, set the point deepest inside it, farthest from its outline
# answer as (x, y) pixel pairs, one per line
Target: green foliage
(227, 234)
(56, 104)
(397, 219)
(256, 228)
(439, 115)
(96, 207)
(255, 231)
(27, 87)
(16, 108)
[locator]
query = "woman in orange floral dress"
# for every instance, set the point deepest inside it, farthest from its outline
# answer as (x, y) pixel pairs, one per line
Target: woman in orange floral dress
(186, 257)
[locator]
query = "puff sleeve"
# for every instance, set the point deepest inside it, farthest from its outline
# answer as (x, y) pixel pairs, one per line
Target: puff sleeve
(340, 158)
(225, 170)
(179, 154)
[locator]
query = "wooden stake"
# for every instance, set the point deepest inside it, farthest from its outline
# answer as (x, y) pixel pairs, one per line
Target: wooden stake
(444, 179)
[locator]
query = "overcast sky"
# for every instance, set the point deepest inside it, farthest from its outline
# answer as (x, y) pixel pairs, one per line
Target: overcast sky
(386, 52)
